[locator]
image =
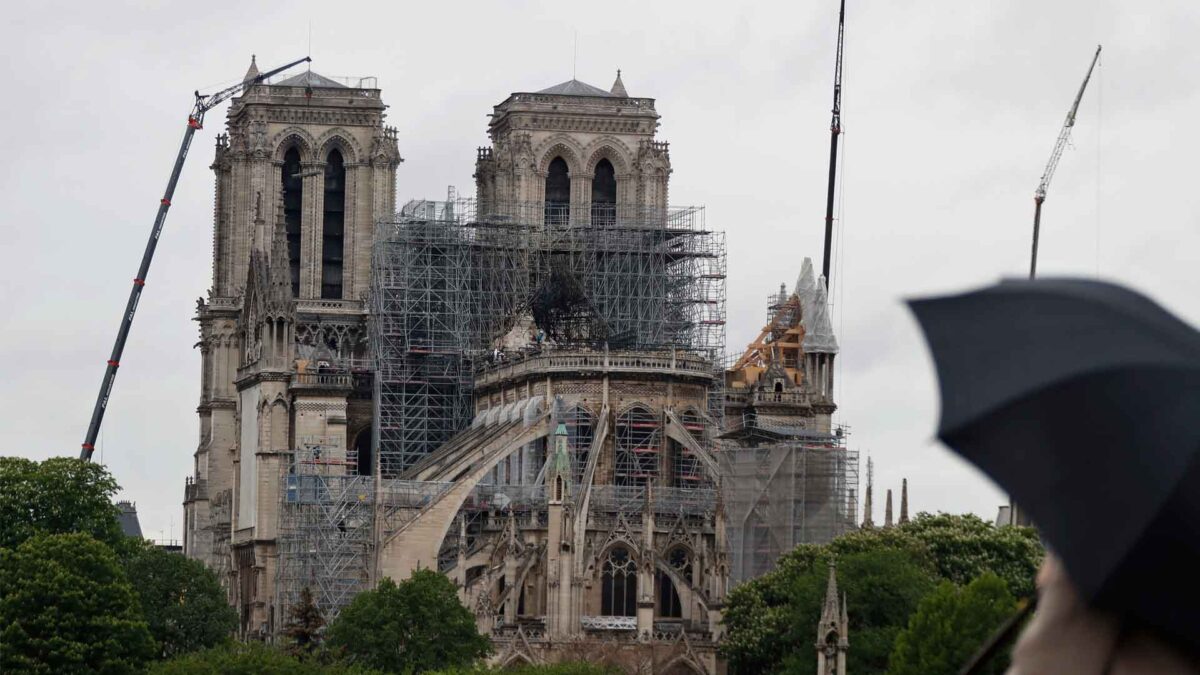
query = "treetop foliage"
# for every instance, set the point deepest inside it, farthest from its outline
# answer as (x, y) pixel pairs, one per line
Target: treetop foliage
(771, 621)
(66, 607)
(304, 625)
(252, 658)
(57, 496)
(949, 626)
(415, 626)
(564, 668)
(182, 600)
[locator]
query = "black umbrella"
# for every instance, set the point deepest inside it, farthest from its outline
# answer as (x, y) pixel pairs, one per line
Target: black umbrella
(1082, 400)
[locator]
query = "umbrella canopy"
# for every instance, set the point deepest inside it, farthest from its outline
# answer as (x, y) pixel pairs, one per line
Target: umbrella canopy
(1082, 400)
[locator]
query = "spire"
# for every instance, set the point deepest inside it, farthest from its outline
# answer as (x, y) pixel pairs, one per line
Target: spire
(818, 330)
(806, 285)
(887, 510)
(868, 518)
(833, 628)
(845, 618)
(280, 264)
(903, 502)
(559, 477)
(830, 614)
(259, 224)
(618, 88)
(252, 71)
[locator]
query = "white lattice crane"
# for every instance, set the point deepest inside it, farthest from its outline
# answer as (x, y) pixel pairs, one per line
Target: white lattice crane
(1061, 144)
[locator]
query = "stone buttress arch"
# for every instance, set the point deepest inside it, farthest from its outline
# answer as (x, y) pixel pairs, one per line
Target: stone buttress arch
(423, 535)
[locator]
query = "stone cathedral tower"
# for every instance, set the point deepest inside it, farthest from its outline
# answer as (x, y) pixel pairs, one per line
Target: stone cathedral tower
(305, 170)
(581, 151)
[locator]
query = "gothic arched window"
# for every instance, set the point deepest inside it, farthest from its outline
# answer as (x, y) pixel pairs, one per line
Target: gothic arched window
(558, 193)
(579, 438)
(333, 227)
(604, 194)
(293, 200)
(618, 584)
(669, 605)
(638, 436)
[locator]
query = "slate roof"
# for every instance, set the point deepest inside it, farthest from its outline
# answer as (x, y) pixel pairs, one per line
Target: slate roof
(310, 79)
(576, 88)
(128, 519)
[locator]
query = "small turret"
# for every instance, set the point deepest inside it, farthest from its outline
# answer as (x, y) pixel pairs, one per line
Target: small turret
(832, 639)
(281, 274)
(559, 476)
(251, 72)
(903, 502)
(868, 518)
(618, 88)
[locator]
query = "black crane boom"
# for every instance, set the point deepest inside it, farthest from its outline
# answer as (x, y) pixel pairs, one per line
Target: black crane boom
(195, 121)
(835, 129)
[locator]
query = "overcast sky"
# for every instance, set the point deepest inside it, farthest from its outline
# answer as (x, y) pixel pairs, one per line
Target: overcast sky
(951, 109)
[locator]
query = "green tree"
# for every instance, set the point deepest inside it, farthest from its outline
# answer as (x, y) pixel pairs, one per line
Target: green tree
(304, 625)
(414, 626)
(949, 626)
(564, 668)
(66, 607)
(182, 600)
(252, 658)
(58, 495)
(772, 621)
(965, 547)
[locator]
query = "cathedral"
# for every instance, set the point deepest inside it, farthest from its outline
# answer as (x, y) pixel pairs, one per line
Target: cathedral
(524, 390)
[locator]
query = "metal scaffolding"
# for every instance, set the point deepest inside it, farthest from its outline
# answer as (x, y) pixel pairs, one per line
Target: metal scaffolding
(785, 492)
(580, 431)
(638, 445)
(454, 284)
(325, 530)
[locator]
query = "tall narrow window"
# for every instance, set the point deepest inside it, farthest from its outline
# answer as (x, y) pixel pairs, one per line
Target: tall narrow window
(669, 605)
(638, 440)
(333, 227)
(618, 584)
(558, 193)
(293, 199)
(604, 194)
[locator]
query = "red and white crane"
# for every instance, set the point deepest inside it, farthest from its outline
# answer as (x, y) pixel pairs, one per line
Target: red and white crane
(195, 121)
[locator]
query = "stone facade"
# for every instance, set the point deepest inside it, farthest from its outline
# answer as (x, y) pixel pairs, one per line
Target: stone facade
(561, 551)
(583, 126)
(302, 174)
(578, 513)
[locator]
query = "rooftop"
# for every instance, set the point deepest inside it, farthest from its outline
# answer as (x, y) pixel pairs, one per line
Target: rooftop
(310, 79)
(576, 88)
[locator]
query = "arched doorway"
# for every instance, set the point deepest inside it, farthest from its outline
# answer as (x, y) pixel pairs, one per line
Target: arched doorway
(365, 453)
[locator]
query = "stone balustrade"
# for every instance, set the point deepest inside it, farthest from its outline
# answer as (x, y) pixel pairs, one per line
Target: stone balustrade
(668, 365)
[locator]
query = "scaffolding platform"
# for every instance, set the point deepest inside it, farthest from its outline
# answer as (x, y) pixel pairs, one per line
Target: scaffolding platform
(778, 494)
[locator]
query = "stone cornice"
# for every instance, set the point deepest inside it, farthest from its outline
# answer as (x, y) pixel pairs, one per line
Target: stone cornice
(255, 377)
(217, 404)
